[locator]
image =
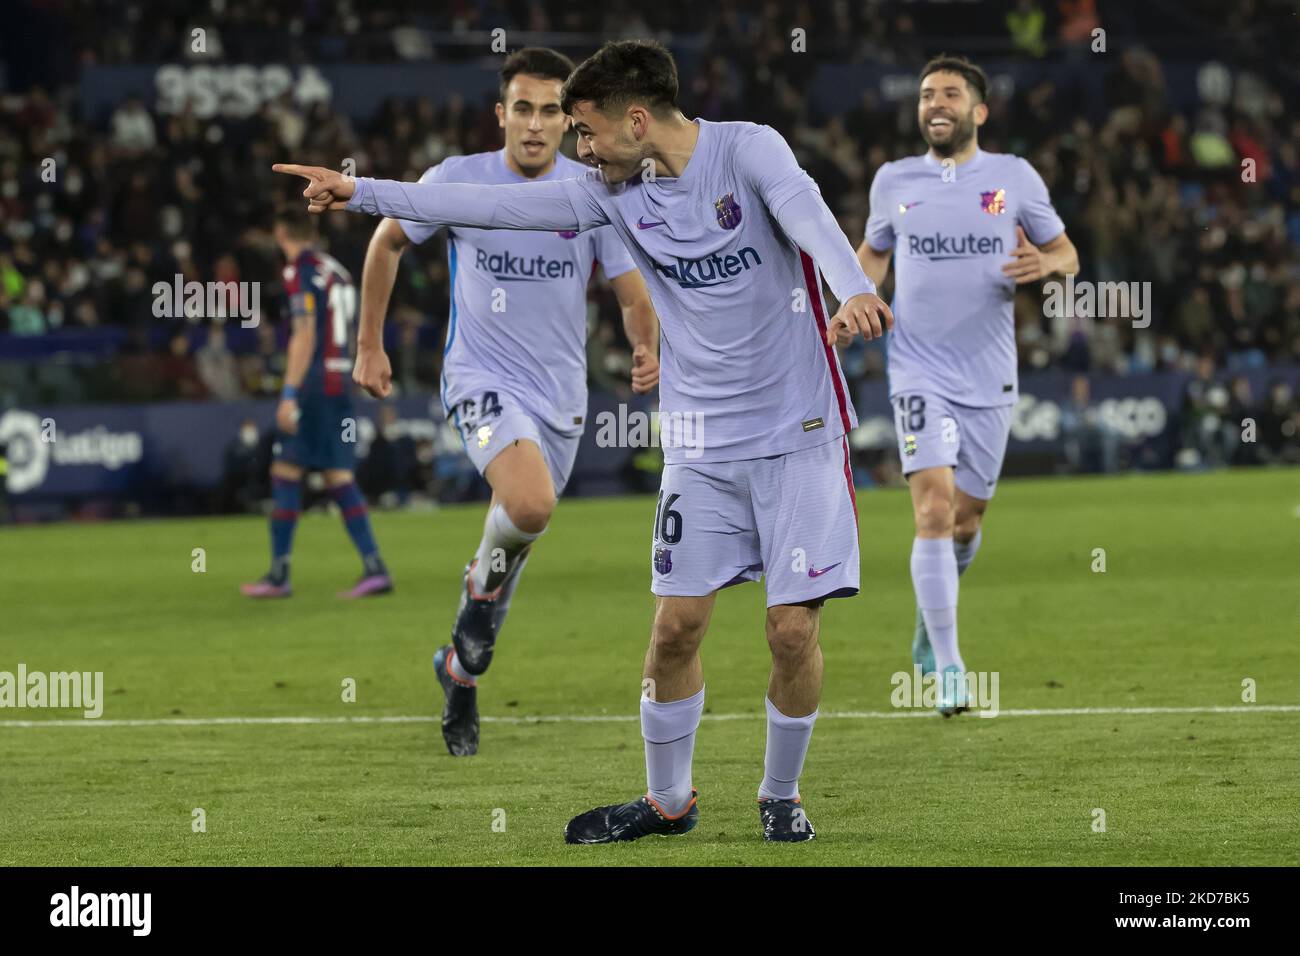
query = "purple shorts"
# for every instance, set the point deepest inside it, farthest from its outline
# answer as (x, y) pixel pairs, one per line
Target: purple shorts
(789, 519)
(934, 432)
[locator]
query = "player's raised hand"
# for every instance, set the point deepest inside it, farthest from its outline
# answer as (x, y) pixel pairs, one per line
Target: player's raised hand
(864, 314)
(1028, 264)
(326, 189)
(373, 372)
(645, 369)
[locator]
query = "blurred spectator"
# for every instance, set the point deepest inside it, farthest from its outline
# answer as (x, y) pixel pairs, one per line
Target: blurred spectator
(217, 367)
(1242, 414)
(1205, 427)
(1078, 21)
(25, 316)
(387, 473)
(454, 477)
(1091, 444)
(609, 365)
(245, 471)
(179, 370)
(415, 367)
(263, 372)
(1279, 425)
(133, 129)
(1025, 23)
(4, 482)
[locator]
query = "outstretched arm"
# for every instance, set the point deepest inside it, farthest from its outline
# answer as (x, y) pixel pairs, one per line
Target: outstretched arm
(807, 220)
(558, 205)
(797, 205)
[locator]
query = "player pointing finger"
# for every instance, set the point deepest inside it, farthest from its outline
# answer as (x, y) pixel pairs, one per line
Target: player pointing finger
(326, 188)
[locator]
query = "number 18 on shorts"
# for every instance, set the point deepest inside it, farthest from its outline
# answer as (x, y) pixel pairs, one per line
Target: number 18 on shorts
(935, 433)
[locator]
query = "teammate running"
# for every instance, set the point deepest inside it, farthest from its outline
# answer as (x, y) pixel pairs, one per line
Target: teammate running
(514, 377)
(954, 215)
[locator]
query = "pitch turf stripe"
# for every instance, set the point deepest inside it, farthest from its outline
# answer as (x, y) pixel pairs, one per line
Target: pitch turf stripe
(629, 718)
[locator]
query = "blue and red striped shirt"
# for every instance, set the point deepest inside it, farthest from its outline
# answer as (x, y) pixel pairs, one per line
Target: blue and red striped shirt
(320, 288)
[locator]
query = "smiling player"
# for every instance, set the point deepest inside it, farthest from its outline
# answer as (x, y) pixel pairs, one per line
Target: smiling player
(514, 378)
(965, 228)
(730, 235)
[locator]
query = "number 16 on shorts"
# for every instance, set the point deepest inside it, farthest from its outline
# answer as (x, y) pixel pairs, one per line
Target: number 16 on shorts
(668, 531)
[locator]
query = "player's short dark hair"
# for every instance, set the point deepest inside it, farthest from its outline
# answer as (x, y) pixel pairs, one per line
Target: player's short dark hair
(975, 77)
(535, 61)
(297, 222)
(623, 72)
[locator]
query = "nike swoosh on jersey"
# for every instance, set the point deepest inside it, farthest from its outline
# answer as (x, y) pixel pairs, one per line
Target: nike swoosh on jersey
(816, 574)
(642, 224)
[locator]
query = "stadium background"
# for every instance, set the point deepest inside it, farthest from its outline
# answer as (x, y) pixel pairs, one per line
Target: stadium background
(128, 157)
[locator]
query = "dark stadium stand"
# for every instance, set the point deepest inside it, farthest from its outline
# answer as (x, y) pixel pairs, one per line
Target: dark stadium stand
(126, 158)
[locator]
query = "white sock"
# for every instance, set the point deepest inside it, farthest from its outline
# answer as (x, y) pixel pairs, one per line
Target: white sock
(787, 745)
(934, 579)
(669, 732)
(501, 545)
(966, 550)
(458, 672)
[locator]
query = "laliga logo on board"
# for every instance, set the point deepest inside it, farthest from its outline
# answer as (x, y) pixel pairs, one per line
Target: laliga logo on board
(32, 443)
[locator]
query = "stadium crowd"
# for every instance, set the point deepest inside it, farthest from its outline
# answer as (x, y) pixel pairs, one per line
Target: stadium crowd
(1149, 193)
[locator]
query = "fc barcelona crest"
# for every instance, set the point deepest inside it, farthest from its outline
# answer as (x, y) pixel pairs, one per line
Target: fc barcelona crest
(728, 212)
(995, 202)
(663, 560)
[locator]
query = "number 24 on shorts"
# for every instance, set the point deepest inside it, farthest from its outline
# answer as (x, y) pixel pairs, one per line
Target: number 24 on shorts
(470, 413)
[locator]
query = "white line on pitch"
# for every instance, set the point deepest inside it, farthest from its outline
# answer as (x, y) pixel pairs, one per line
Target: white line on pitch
(625, 718)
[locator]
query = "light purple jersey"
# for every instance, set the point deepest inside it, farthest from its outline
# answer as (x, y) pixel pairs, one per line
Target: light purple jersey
(519, 299)
(954, 330)
(727, 250)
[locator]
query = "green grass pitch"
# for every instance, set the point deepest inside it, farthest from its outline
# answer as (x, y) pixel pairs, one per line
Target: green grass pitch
(1201, 591)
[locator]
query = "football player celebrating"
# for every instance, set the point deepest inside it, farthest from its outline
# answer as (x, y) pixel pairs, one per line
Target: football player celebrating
(514, 376)
(965, 227)
(730, 234)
